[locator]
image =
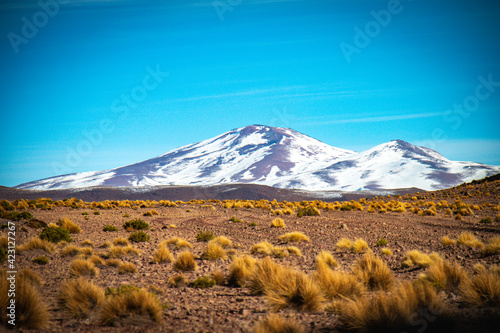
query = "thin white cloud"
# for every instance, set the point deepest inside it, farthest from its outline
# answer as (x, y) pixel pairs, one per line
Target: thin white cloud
(375, 119)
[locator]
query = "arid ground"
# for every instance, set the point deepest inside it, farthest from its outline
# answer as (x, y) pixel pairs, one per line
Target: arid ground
(417, 221)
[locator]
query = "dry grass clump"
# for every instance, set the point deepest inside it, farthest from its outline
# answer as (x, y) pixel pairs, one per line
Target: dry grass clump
(69, 225)
(445, 275)
(119, 251)
(113, 262)
(124, 306)
(86, 251)
(87, 242)
(30, 276)
(214, 251)
(325, 258)
(294, 251)
(284, 287)
(468, 239)
(81, 297)
(262, 249)
(126, 267)
(177, 281)
(218, 277)
(419, 259)
(178, 243)
(70, 251)
(30, 310)
(492, 247)
(395, 312)
(278, 223)
(222, 241)
(36, 243)
(273, 323)
(120, 241)
(185, 262)
(96, 260)
(373, 272)
(336, 284)
(293, 237)
(359, 245)
(447, 241)
(482, 290)
(386, 251)
(162, 254)
(344, 244)
(80, 267)
(240, 270)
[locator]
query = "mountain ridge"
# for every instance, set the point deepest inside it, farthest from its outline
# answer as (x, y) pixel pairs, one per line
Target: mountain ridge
(282, 158)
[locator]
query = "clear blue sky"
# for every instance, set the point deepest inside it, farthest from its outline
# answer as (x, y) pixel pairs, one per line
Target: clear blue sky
(275, 62)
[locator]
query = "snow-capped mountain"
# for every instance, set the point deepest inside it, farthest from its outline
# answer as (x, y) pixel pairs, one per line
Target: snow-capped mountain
(282, 157)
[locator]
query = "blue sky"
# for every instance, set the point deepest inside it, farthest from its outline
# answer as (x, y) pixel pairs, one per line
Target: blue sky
(286, 63)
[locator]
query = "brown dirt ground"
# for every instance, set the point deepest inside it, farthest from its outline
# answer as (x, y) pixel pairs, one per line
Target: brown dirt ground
(228, 309)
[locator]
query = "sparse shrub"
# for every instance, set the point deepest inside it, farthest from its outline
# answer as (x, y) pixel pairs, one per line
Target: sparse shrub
(325, 258)
(394, 312)
(373, 272)
(278, 223)
(202, 282)
(240, 270)
(482, 290)
(72, 227)
(236, 220)
(80, 267)
(308, 211)
(123, 289)
(97, 213)
(419, 259)
(136, 224)
(109, 227)
(204, 236)
(445, 275)
(31, 311)
(469, 240)
(447, 241)
(486, 220)
(273, 323)
(185, 262)
(139, 236)
(162, 254)
(214, 251)
(253, 224)
(55, 234)
(177, 281)
(381, 242)
(293, 237)
(138, 302)
(81, 297)
(126, 267)
(35, 243)
(43, 260)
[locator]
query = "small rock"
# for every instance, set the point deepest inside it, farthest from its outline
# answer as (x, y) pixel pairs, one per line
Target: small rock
(344, 226)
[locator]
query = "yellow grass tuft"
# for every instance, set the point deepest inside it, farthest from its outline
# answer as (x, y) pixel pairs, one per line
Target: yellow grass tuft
(240, 270)
(482, 290)
(445, 275)
(31, 277)
(177, 281)
(492, 247)
(87, 242)
(96, 260)
(178, 243)
(30, 311)
(336, 284)
(70, 251)
(273, 323)
(218, 277)
(214, 251)
(162, 254)
(262, 249)
(222, 241)
(469, 240)
(395, 312)
(326, 258)
(373, 272)
(293, 237)
(81, 297)
(71, 226)
(113, 262)
(120, 241)
(419, 259)
(36, 243)
(136, 302)
(294, 251)
(278, 223)
(185, 262)
(80, 267)
(447, 241)
(386, 251)
(344, 244)
(359, 246)
(126, 267)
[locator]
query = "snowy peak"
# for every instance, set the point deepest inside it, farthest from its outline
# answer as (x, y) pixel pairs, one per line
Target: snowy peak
(284, 158)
